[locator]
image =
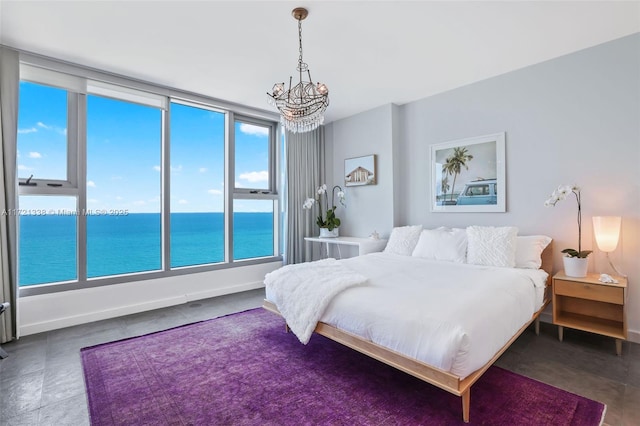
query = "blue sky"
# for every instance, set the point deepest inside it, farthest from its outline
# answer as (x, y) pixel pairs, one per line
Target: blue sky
(124, 154)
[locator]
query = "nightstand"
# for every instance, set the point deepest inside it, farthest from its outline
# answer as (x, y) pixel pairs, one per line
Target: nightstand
(590, 305)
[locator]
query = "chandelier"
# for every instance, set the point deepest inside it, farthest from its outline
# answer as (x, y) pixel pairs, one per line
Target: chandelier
(301, 106)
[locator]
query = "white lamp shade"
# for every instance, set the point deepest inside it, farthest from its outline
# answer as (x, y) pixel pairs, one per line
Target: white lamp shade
(607, 231)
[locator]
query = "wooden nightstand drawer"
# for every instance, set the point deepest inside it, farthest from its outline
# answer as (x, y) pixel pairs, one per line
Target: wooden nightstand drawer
(589, 291)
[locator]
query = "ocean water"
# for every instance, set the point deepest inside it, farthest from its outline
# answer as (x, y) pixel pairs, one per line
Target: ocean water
(132, 243)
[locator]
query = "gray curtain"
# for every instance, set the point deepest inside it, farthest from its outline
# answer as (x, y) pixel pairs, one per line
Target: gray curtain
(9, 83)
(305, 166)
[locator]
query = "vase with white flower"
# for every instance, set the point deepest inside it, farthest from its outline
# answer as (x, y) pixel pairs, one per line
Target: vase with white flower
(576, 262)
(327, 221)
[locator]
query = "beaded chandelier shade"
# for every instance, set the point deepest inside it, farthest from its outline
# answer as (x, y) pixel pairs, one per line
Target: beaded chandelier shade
(301, 106)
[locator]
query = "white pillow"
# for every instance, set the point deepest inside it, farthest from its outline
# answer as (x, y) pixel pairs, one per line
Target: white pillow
(492, 246)
(403, 240)
(442, 244)
(529, 250)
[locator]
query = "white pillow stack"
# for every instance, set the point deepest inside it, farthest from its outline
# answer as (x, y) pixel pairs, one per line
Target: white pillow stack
(477, 245)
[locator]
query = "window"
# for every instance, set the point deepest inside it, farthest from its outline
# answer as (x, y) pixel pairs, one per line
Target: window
(252, 156)
(254, 202)
(253, 224)
(42, 132)
(123, 187)
(48, 240)
(197, 185)
(126, 181)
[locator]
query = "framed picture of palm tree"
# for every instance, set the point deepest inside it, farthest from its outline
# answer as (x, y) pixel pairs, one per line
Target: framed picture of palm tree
(468, 175)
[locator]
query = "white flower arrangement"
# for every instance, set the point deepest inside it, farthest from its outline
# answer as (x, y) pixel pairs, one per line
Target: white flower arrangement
(330, 221)
(561, 193)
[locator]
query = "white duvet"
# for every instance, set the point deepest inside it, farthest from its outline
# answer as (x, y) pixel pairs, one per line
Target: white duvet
(449, 315)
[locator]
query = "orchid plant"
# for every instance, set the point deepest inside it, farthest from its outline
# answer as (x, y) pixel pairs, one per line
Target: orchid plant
(561, 193)
(329, 221)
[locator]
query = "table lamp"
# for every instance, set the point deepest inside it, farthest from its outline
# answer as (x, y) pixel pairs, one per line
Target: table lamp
(607, 232)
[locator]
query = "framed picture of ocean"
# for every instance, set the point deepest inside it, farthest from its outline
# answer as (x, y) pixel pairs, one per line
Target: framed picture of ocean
(360, 171)
(468, 175)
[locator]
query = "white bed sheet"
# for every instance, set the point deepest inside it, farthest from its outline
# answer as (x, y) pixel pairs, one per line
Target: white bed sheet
(451, 316)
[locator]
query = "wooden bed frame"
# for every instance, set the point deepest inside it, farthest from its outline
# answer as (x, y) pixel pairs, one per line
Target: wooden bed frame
(440, 378)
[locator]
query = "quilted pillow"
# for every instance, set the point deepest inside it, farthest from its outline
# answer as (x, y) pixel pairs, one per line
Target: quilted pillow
(492, 246)
(442, 244)
(403, 240)
(529, 250)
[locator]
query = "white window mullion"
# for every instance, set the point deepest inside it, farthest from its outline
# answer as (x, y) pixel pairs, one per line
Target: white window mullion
(79, 166)
(165, 212)
(229, 161)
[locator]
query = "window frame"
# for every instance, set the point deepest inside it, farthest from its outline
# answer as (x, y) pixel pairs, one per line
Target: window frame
(44, 185)
(78, 81)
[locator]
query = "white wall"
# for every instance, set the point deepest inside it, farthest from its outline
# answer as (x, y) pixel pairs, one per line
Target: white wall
(56, 310)
(574, 119)
(369, 208)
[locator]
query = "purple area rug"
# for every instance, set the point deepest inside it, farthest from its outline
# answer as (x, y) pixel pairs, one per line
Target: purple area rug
(243, 369)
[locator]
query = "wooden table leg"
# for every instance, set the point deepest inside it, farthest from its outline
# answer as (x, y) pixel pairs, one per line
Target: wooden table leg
(560, 332)
(618, 347)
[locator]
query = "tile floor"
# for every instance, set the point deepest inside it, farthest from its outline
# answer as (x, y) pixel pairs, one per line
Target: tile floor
(41, 382)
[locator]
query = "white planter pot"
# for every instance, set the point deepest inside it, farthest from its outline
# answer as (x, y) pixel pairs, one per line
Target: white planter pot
(325, 233)
(576, 266)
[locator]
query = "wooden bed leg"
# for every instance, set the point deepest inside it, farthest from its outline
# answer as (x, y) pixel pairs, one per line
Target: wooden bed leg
(537, 325)
(466, 403)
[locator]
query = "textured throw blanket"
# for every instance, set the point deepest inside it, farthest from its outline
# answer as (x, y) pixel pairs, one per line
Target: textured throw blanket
(303, 291)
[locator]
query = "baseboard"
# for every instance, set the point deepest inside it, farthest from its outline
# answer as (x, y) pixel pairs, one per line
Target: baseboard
(633, 336)
(72, 320)
(222, 291)
(69, 321)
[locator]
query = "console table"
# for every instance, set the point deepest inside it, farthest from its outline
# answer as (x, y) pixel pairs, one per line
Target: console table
(364, 245)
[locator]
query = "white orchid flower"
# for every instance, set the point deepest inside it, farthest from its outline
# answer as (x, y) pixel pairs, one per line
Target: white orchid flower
(341, 195)
(308, 203)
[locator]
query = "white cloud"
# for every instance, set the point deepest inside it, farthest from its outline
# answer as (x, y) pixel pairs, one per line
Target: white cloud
(139, 203)
(253, 177)
(250, 129)
(54, 128)
(92, 200)
(23, 167)
(183, 202)
(91, 184)
(177, 169)
(34, 154)
(203, 170)
(238, 184)
(119, 198)
(215, 192)
(25, 131)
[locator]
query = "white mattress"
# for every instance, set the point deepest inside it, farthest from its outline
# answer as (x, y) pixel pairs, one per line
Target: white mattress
(449, 315)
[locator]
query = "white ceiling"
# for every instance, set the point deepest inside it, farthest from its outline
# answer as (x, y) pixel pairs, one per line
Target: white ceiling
(369, 53)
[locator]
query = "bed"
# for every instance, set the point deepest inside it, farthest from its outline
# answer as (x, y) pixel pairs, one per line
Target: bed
(418, 307)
